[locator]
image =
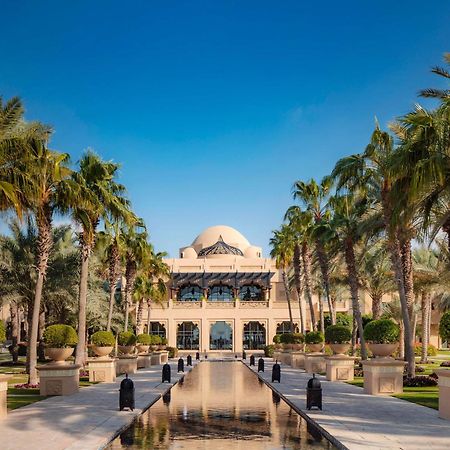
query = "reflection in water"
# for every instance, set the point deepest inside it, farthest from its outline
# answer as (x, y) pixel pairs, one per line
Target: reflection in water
(220, 405)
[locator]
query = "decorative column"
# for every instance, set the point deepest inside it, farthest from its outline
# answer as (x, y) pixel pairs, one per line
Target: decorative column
(444, 393)
(3, 394)
(204, 334)
(237, 344)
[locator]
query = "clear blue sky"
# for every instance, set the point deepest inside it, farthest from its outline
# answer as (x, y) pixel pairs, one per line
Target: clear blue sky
(214, 108)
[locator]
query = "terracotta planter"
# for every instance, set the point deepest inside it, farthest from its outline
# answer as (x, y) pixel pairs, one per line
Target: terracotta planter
(382, 350)
(143, 348)
(339, 349)
(102, 351)
(315, 347)
(58, 355)
(126, 349)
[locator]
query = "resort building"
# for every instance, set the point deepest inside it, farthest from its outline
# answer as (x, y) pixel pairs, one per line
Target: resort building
(224, 295)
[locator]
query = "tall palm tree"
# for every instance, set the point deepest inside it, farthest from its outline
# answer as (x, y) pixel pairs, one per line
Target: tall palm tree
(100, 197)
(282, 244)
(313, 198)
(372, 170)
(442, 94)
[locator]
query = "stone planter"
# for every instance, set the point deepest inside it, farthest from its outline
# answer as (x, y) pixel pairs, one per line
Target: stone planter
(339, 349)
(3, 394)
(102, 369)
(126, 349)
(102, 352)
(126, 364)
(340, 367)
(382, 350)
(444, 393)
(315, 363)
(383, 376)
(298, 347)
(315, 347)
(298, 360)
(58, 355)
(143, 348)
(59, 379)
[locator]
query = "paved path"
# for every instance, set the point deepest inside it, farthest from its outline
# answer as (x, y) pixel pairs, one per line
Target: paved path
(83, 421)
(361, 421)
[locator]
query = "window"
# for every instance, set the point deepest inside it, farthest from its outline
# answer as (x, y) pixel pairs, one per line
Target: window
(250, 292)
(285, 327)
(254, 336)
(190, 293)
(221, 293)
(187, 336)
(221, 336)
(158, 329)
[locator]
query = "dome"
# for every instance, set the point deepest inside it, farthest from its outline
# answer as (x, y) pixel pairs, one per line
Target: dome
(219, 248)
(253, 252)
(189, 253)
(229, 235)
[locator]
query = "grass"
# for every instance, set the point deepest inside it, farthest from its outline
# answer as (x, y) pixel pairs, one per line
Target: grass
(425, 396)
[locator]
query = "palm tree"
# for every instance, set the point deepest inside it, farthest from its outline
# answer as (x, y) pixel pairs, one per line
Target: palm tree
(442, 94)
(372, 170)
(312, 197)
(282, 244)
(345, 229)
(101, 197)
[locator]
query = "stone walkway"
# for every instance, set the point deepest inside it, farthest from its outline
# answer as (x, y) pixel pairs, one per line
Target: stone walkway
(361, 421)
(86, 420)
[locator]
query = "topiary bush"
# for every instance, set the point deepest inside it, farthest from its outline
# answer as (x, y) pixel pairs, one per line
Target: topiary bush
(155, 339)
(268, 350)
(444, 327)
(103, 339)
(163, 341)
(173, 352)
(277, 339)
(126, 338)
(432, 350)
(338, 334)
(292, 338)
(314, 337)
(144, 339)
(60, 336)
(382, 331)
(341, 319)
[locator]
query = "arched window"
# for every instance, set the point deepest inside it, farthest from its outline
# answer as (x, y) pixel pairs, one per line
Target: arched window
(250, 292)
(220, 293)
(254, 337)
(158, 329)
(187, 336)
(190, 293)
(285, 327)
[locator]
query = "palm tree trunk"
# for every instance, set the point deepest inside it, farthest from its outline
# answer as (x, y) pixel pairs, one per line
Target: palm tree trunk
(321, 316)
(376, 306)
(130, 276)
(298, 284)
(44, 245)
(14, 311)
(112, 278)
(288, 299)
(354, 334)
(353, 283)
(324, 269)
(41, 345)
(306, 258)
(112, 292)
(80, 355)
(426, 307)
(401, 351)
(148, 315)
(139, 324)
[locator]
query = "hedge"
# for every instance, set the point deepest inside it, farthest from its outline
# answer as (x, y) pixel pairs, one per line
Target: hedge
(60, 336)
(314, 337)
(381, 331)
(103, 339)
(338, 334)
(126, 338)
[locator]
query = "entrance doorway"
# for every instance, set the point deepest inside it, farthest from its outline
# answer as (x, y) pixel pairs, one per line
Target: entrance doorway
(221, 336)
(254, 337)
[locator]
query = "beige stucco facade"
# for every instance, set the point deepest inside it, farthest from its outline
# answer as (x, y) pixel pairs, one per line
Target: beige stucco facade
(223, 286)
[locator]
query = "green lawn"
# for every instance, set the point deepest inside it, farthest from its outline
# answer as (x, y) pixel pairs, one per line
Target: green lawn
(425, 396)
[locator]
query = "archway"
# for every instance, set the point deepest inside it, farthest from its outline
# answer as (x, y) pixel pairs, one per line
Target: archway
(221, 336)
(254, 336)
(285, 327)
(187, 336)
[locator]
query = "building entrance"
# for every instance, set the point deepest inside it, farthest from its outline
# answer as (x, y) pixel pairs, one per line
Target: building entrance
(221, 336)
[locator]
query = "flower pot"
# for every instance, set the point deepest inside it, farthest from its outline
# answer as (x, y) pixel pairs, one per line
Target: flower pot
(143, 348)
(126, 349)
(339, 349)
(382, 350)
(101, 351)
(297, 347)
(58, 355)
(315, 347)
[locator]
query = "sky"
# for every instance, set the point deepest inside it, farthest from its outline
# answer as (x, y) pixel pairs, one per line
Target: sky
(215, 108)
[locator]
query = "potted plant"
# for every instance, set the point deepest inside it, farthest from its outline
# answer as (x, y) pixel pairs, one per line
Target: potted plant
(338, 337)
(60, 341)
(287, 341)
(298, 340)
(276, 340)
(382, 337)
(163, 343)
(155, 342)
(143, 342)
(102, 343)
(126, 341)
(314, 340)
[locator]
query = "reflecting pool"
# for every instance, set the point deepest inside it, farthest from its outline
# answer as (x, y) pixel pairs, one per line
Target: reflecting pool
(220, 405)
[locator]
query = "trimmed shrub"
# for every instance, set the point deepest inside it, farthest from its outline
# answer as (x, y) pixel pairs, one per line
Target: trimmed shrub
(60, 336)
(2, 331)
(444, 327)
(314, 337)
(155, 339)
(103, 339)
(419, 381)
(144, 339)
(432, 350)
(163, 341)
(277, 339)
(292, 338)
(381, 331)
(338, 334)
(268, 351)
(173, 352)
(343, 319)
(126, 338)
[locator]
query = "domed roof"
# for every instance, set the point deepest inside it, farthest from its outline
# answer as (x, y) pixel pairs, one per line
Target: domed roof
(229, 235)
(189, 252)
(220, 248)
